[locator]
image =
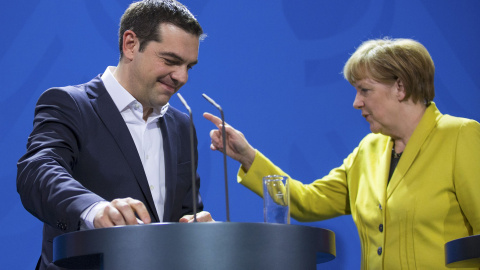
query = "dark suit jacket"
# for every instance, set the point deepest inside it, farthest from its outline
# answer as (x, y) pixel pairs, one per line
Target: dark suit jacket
(80, 151)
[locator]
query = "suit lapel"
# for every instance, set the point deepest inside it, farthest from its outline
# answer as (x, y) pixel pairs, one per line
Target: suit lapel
(113, 121)
(413, 147)
(170, 137)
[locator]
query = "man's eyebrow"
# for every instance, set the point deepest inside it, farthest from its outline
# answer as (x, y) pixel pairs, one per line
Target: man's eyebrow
(177, 57)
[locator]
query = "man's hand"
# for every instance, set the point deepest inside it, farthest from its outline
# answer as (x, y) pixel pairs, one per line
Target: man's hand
(121, 212)
(203, 216)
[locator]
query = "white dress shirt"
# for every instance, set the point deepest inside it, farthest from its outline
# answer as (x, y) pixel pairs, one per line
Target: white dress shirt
(148, 140)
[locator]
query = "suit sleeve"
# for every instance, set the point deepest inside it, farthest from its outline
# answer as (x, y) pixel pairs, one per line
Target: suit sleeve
(44, 174)
(467, 172)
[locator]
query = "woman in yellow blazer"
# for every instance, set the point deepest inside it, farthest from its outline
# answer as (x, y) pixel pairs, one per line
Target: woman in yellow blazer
(411, 185)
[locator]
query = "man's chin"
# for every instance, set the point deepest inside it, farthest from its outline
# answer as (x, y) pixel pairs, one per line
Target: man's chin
(162, 100)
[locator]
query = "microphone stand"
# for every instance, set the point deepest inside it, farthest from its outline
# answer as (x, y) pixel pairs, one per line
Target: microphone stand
(192, 156)
(224, 152)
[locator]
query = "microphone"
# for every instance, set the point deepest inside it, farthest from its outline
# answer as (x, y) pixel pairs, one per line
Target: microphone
(192, 156)
(224, 152)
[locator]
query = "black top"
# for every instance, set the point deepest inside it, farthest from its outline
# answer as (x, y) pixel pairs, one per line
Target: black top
(393, 163)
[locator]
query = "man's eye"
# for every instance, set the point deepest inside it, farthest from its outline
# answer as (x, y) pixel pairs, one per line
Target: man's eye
(170, 62)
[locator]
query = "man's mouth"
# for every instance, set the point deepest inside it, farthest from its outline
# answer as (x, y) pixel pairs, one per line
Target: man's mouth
(169, 87)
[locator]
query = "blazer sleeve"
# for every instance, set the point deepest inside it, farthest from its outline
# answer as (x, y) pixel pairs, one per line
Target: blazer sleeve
(323, 199)
(44, 174)
(467, 172)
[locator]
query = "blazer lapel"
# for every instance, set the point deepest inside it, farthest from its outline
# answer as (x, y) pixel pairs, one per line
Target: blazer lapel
(414, 145)
(170, 137)
(113, 121)
(383, 167)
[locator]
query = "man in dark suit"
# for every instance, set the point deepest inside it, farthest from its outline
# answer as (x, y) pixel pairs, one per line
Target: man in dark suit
(112, 151)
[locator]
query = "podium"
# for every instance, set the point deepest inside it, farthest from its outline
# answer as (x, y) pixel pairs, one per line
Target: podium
(463, 252)
(218, 245)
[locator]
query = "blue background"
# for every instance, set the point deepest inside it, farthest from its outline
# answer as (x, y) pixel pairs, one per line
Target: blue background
(274, 66)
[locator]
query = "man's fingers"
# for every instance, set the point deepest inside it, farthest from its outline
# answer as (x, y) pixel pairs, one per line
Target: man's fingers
(141, 211)
(103, 217)
(122, 212)
(203, 216)
(126, 215)
(186, 218)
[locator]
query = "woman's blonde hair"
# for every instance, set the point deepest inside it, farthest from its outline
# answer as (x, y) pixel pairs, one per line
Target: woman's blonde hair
(388, 60)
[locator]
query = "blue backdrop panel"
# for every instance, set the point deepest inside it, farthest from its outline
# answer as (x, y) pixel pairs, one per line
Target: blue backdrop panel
(274, 66)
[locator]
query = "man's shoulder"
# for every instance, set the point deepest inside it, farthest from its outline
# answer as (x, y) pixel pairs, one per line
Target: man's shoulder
(177, 114)
(78, 90)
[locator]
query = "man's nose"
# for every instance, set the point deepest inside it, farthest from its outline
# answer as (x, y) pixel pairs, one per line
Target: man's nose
(180, 75)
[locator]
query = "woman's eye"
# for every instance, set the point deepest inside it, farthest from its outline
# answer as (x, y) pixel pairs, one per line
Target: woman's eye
(365, 91)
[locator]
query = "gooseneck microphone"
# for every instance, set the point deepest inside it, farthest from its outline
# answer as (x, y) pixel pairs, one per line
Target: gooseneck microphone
(224, 152)
(192, 156)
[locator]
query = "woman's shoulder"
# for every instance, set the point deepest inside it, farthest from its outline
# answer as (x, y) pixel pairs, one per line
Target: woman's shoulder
(454, 123)
(373, 139)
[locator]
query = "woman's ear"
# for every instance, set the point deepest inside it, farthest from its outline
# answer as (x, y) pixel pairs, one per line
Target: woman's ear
(400, 90)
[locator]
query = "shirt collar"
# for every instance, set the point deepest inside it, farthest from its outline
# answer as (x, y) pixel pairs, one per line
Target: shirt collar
(121, 97)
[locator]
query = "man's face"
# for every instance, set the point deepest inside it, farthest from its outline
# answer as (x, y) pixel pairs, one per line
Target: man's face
(162, 68)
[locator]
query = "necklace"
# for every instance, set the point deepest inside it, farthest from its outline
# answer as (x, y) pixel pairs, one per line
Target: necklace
(396, 155)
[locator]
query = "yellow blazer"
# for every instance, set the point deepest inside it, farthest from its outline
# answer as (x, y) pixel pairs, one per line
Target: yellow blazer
(432, 198)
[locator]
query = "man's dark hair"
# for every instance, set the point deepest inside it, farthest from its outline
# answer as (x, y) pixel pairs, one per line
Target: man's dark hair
(144, 18)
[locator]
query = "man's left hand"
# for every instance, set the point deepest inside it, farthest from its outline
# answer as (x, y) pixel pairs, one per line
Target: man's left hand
(203, 216)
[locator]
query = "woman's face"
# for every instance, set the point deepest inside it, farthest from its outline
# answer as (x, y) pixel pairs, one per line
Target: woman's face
(379, 104)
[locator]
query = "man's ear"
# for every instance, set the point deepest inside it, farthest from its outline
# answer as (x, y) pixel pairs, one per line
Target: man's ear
(400, 90)
(130, 44)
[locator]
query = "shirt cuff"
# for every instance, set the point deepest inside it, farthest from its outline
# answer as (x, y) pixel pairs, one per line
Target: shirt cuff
(87, 217)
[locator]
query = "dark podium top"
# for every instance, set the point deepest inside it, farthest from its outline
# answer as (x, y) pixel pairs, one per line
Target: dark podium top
(463, 252)
(216, 245)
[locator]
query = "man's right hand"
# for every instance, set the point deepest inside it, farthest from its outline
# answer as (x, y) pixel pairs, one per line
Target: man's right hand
(121, 212)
